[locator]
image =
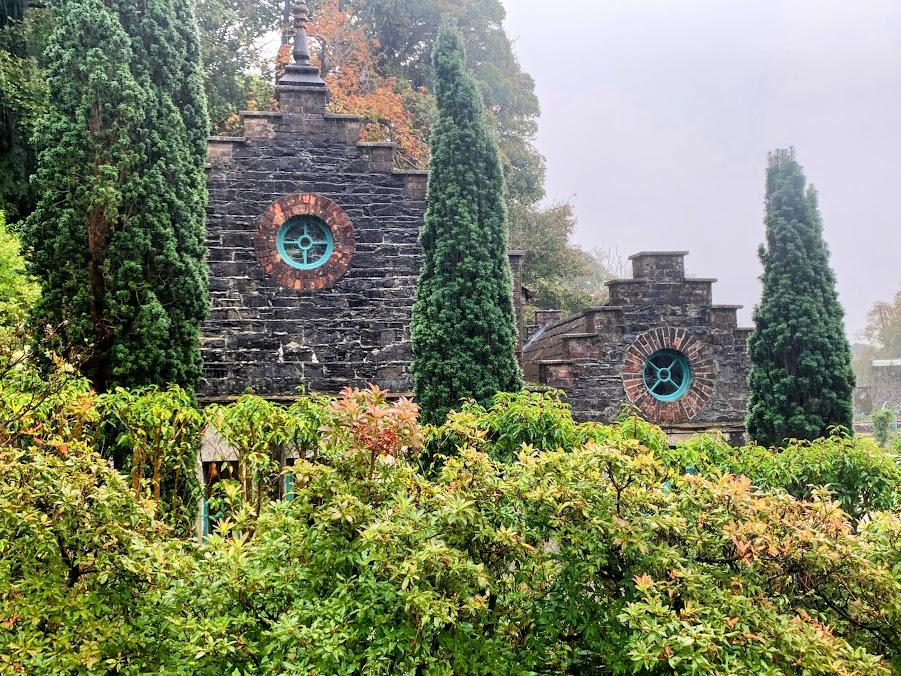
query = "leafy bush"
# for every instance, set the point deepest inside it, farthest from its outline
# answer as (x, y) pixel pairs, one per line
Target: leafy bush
(529, 549)
(579, 562)
(76, 561)
(18, 291)
(540, 420)
(863, 477)
(161, 430)
(881, 420)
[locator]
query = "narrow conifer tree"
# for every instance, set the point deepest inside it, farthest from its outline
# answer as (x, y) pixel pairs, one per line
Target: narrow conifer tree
(117, 238)
(463, 329)
(801, 382)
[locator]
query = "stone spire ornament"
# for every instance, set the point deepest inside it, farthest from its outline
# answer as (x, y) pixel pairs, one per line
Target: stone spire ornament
(301, 73)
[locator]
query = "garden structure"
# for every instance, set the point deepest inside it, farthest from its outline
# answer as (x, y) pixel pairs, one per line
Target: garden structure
(314, 257)
(658, 344)
(313, 249)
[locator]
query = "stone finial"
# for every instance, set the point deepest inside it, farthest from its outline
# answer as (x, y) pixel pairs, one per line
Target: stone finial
(301, 72)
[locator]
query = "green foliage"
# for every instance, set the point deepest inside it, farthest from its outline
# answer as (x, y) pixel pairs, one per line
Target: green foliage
(881, 420)
(883, 330)
(22, 98)
(463, 327)
(588, 550)
(254, 428)
(37, 405)
(561, 274)
(76, 561)
(18, 291)
(231, 34)
(117, 237)
(801, 382)
(562, 562)
(161, 431)
(863, 478)
(541, 421)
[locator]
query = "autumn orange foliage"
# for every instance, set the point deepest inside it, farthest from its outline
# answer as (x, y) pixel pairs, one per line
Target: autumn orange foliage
(344, 52)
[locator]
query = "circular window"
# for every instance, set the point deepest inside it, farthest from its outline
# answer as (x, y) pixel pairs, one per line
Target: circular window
(305, 242)
(667, 375)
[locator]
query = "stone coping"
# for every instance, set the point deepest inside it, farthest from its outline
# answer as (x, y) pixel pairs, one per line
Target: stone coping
(645, 254)
(286, 398)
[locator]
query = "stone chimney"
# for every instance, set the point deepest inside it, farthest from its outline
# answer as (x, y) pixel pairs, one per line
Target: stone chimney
(301, 90)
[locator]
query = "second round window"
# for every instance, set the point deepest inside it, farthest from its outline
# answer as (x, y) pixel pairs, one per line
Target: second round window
(667, 375)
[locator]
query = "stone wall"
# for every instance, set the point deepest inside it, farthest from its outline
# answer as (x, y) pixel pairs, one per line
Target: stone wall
(264, 335)
(885, 383)
(598, 356)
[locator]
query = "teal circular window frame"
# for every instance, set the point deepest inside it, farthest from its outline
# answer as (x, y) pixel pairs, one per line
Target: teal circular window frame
(667, 375)
(305, 242)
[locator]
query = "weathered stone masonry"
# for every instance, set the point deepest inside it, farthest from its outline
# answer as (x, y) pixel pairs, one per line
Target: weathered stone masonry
(599, 356)
(350, 329)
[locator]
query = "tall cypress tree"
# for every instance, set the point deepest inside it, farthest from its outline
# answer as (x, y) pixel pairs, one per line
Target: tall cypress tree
(463, 329)
(801, 382)
(117, 238)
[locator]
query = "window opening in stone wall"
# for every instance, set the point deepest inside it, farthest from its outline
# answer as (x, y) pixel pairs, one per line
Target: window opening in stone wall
(305, 242)
(667, 375)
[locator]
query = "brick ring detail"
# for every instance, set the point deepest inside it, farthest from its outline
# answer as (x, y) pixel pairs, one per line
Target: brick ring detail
(699, 362)
(267, 242)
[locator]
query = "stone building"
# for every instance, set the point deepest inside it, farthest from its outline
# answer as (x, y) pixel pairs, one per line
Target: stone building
(314, 258)
(884, 388)
(313, 249)
(658, 344)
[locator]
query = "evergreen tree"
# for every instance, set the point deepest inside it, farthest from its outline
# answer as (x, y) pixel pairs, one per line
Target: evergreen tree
(117, 237)
(801, 382)
(464, 330)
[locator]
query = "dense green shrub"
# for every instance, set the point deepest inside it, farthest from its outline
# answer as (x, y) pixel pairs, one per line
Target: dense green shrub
(542, 421)
(861, 476)
(463, 326)
(160, 433)
(76, 562)
(17, 290)
(881, 420)
(589, 549)
(117, 236)
(801, 383)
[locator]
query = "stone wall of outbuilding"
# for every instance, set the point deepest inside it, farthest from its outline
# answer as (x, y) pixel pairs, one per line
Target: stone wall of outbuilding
(598, 357)
(885, 383)
(349, 325)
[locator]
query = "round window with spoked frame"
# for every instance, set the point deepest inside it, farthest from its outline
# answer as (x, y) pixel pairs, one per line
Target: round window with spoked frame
(305, 242)
(667, 375)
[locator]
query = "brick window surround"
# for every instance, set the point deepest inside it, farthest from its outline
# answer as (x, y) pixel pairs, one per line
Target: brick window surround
(288, 276)
(702, 374)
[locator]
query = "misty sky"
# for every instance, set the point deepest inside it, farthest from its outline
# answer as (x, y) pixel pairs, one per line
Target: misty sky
(657, 116)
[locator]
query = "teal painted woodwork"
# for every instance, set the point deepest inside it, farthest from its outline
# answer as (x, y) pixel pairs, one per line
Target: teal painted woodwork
(305, 242)
(667, 375)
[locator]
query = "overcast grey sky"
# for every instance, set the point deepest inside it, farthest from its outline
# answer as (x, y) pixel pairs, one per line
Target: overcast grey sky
(657, 116)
